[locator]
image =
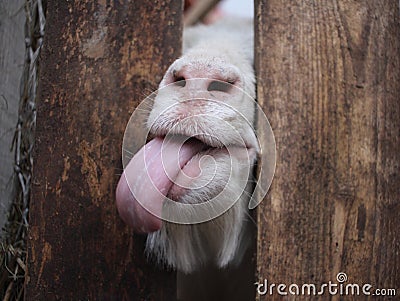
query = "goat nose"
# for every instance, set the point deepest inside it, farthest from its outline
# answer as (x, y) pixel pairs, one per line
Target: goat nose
(201, 78)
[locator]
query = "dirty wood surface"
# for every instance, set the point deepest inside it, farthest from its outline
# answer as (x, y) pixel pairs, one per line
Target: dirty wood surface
(329, 80)
(99, 60)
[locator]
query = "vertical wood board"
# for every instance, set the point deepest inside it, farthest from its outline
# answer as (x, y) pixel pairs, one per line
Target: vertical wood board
(99, 60)
(329, 81)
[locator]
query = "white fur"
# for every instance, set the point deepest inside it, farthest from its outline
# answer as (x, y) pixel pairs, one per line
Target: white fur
(226, 46)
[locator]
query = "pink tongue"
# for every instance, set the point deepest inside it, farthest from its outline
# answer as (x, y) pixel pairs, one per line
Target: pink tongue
(147, 179)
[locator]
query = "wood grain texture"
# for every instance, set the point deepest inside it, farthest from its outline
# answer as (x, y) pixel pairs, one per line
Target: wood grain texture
(99, 60)
(329, 80)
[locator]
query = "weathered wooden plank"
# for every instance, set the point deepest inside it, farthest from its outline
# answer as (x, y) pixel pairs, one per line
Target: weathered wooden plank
(99, 60)
(12, 20)
(329, 80)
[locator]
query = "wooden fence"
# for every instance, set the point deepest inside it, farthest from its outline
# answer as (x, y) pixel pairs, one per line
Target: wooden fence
(329, 81)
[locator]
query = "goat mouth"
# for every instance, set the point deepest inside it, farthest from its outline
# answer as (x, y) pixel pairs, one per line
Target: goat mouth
(200, 170)
(208, 143)
(214, 124)
(169, 167)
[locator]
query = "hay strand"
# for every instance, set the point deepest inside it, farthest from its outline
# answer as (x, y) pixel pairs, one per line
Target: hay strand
(13, 250)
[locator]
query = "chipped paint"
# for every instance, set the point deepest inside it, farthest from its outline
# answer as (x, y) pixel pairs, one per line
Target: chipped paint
(46, 257)
(67, 166)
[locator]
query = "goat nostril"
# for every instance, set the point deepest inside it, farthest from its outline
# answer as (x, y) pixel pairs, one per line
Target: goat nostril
(220, 86)
(180, 81)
